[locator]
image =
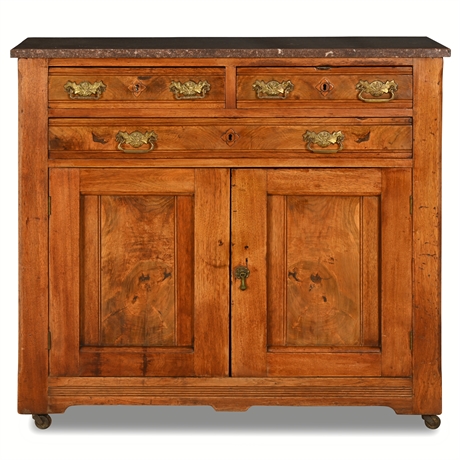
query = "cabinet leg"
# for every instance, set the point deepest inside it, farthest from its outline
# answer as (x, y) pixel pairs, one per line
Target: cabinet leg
(42, 421)
(432, 421)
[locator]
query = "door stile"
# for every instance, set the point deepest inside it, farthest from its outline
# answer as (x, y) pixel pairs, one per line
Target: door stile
(64, 271)
(212, 261)
(249, 250)
(396, 273)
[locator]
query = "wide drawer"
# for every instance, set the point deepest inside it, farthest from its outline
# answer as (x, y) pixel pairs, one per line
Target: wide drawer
(207, 138)
(144, 86)
(380, 87)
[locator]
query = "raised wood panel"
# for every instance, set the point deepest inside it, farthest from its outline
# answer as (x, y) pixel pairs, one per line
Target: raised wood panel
(331, 297)
(323, 265)
(138, 270)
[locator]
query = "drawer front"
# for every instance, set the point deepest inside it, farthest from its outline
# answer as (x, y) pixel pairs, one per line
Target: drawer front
(205, 138)
(380, 87)
(102, 87)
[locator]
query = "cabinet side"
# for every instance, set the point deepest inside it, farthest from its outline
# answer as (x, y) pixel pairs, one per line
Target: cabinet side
(33, 237)
(427, 236)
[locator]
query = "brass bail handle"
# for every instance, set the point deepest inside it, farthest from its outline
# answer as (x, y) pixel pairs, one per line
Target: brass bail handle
(242, 273)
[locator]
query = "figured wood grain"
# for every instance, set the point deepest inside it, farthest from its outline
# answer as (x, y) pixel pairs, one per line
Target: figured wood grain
(208, 136)
(308, 88)
(328, 279)
(64, 263)
(427, 237)
(33, 238)
(323, 271)
(138, 271)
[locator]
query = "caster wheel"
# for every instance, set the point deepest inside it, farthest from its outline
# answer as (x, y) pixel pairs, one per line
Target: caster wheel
(42, 421)
(432, 421)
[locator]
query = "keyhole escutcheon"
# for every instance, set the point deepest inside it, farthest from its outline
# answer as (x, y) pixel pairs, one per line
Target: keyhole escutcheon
(242, 273)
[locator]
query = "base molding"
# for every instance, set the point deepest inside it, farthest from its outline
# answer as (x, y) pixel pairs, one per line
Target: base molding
(231, 394)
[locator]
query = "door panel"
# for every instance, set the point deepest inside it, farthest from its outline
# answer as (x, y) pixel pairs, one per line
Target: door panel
(130, 244)
(332, 237)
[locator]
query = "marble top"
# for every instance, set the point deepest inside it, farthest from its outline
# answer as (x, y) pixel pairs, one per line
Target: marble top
(234, 47)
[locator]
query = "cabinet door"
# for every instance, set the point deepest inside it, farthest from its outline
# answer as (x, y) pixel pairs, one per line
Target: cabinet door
(139, 269)
(330, 286)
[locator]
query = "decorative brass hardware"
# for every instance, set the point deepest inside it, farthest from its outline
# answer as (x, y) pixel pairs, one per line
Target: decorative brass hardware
(273, 89)
(189, 89)
(324, 139)
(376, 88)
(136, 139)
(85, 89)
(241, 273)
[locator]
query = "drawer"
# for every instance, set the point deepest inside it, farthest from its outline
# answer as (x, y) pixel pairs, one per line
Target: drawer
(230, 138)
(378, 87)
(145, 86)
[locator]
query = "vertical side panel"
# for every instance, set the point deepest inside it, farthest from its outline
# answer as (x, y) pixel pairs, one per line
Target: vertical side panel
(427, 235)
(396, 272)
(370, 270)
(33, 236)
(212, 242)
(249, 246)
(276, 274)
(184, 268)
(64, 271)
(90, 287)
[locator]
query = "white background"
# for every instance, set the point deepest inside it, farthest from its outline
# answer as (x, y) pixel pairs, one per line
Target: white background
(200, 433)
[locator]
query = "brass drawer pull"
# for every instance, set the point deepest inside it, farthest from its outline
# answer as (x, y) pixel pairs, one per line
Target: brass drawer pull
(189, 89)
(85, 89)
(273, 89)
(377, 88)
(136, 139)
(324, 139)
(241, 273)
